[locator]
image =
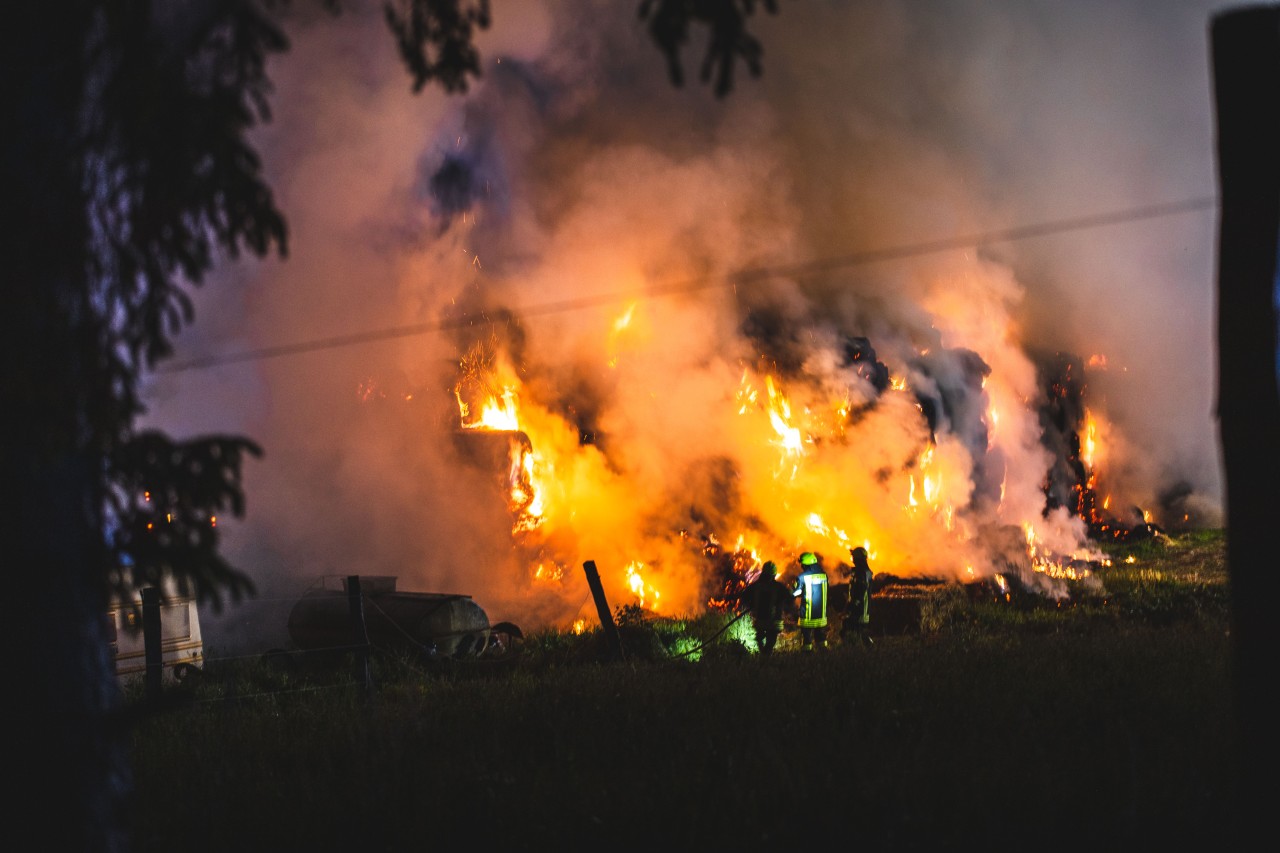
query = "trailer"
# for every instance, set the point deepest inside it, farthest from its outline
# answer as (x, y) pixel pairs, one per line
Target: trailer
(181, 644)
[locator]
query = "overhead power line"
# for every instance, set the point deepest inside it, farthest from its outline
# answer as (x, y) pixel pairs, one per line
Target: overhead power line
(738, 279)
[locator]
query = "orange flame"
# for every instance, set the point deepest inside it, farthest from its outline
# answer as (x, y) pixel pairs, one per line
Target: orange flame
(1089, 442)
(646, 595)
(500, 412)
(805, 482)
(780, 417)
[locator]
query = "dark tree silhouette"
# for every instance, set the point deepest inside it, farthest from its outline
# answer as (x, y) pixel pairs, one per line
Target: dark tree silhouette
(125, 171)
(126, 174)
(435, 40)
(1246, 66)
(726, 20)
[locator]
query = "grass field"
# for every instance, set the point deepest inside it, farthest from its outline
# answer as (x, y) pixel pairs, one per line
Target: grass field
(997, 721)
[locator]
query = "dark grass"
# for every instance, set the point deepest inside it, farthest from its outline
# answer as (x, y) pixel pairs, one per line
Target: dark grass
(1106, 724)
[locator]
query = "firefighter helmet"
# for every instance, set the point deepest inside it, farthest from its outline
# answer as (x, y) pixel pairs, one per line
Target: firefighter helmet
(808, 558)
(769, 569)
(858, 554)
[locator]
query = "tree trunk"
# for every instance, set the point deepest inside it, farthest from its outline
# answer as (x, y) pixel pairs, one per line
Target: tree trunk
(70, 778)
(1246, 65)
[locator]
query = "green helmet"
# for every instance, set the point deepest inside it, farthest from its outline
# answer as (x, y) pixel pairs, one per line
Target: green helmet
(808, 558)
(769, 569)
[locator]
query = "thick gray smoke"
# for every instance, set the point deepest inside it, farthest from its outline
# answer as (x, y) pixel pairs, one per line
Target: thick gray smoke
(639, 265)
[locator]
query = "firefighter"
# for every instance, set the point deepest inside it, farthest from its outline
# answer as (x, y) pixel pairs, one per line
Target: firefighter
(857, 614)
(764, 599)
(811, 591)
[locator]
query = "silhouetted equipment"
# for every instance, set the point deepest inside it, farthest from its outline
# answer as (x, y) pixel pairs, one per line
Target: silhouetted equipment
(431, 623)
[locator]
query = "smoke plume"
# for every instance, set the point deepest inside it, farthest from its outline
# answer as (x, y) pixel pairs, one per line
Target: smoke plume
(731, 329)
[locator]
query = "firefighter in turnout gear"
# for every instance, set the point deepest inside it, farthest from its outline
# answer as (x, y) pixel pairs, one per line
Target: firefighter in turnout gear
(765, 597)
(811, 591)
(857, 614)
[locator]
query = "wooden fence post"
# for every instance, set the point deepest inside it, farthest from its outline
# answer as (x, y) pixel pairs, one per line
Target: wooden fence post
(602, 609)
(359, 634)
(152, 641)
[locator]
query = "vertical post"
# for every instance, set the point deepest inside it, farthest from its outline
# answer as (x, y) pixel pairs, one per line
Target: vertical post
(359, 634)
(1246, 71)
(152, 640)
(602, 610)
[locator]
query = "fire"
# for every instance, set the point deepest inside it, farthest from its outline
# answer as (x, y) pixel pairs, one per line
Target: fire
(1089, 441)
(625, 320)
(930, 485)
(1092, 453)
(746, 394)
(818, 526)
(620, 325)
(744, 562)
(1046, 563)
(806, 466)
(780, 417)
(545, 508)
(787, 435)
(929, 491)
(746, 555)
(526, 496)
(550, 572)
(645, 594)
(500, 412)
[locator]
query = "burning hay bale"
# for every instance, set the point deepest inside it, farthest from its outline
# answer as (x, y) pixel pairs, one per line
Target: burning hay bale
(492, 450)
(898, 604)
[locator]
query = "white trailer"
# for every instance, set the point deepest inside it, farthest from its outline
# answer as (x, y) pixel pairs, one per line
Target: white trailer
(181, 646)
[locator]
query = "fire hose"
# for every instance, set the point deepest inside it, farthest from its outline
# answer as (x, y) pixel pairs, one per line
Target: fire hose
(704, 643)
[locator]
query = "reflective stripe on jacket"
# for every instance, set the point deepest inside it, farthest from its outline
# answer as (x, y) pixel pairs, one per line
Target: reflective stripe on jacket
(811, 587)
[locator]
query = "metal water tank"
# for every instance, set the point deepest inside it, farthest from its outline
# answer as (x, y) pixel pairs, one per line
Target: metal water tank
(431, 623)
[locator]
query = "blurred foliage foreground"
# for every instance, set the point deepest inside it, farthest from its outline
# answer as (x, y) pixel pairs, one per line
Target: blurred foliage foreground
(1007, 721)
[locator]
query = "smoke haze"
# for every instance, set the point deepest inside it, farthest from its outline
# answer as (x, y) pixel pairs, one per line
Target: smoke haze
(639, 265)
